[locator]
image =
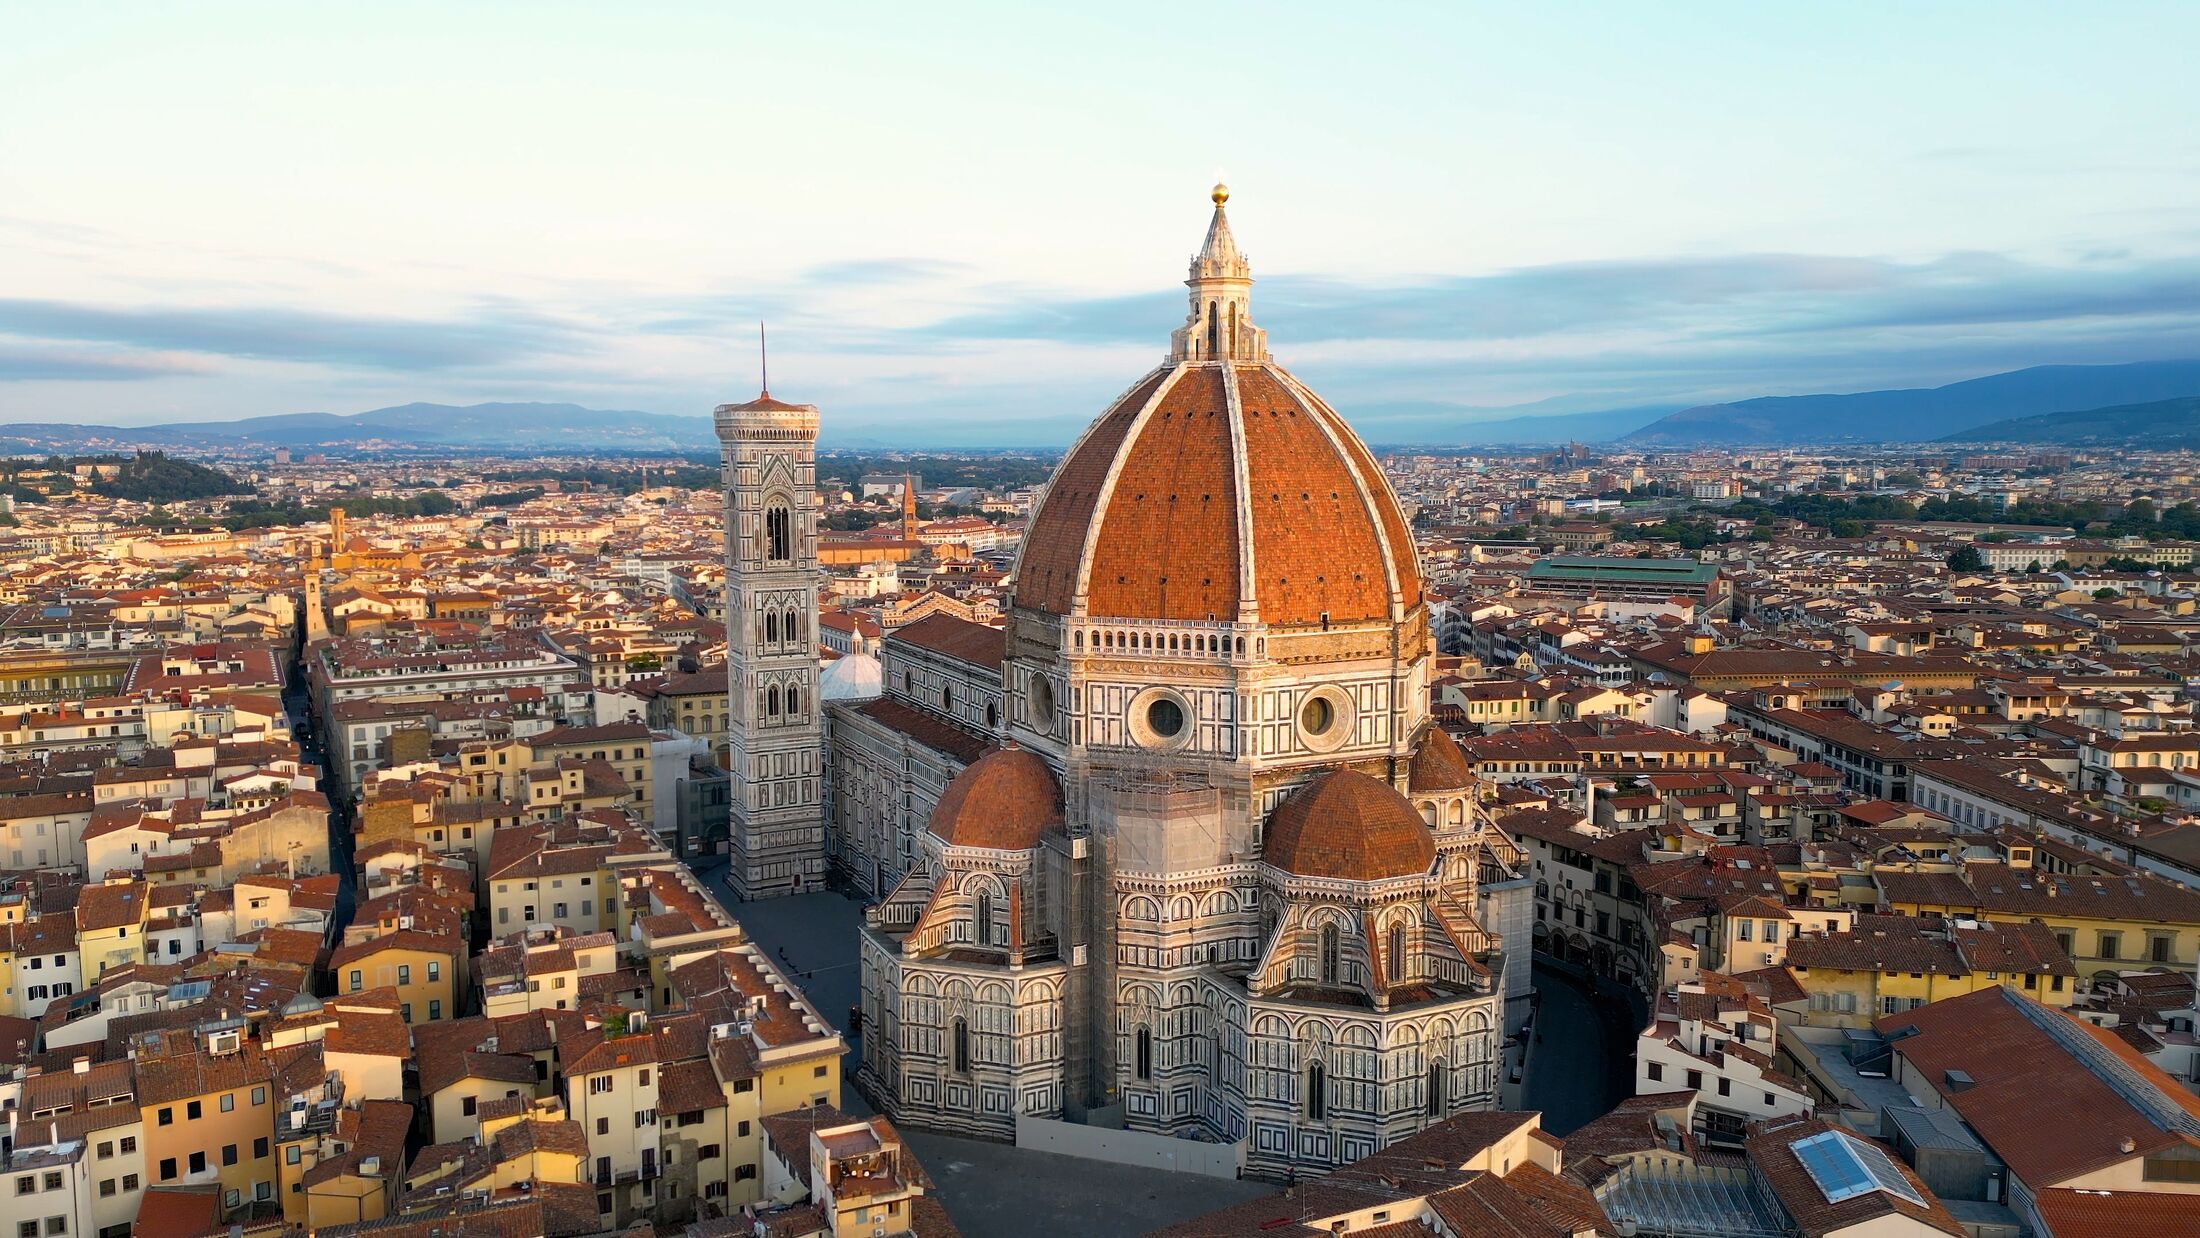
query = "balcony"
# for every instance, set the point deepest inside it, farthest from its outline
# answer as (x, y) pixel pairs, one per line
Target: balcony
(649, 1172)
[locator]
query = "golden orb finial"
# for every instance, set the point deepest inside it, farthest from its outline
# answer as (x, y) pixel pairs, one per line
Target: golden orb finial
(1221, 193)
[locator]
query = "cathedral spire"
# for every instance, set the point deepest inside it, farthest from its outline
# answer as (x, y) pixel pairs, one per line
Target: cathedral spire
(1220, 326)
(1220, 256)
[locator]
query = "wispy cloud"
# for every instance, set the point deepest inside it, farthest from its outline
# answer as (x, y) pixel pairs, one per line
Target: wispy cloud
(19, 364)
(1745, 293)
(264, 333)
(890, 343)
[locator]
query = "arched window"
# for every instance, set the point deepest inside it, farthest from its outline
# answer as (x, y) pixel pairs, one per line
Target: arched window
(794, 702)
(1317, 1092)
(771, 702)
(778, 535)
(1145, 1053)
(1398, 952)
(771, 627)
(1436, 1097)
(793, 627)
(985, 917)
(962, 1047)
(1214, 330)
(1233, 327)
(1329, 967)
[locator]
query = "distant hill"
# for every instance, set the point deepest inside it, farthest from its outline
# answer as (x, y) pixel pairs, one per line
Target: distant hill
(2166, 424)
(156, 477)
(473, 425)
(1601, 427)
(1920, 414)
(545, 427)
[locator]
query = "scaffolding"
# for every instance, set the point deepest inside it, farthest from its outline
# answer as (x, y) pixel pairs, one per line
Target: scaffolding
(1153, 821)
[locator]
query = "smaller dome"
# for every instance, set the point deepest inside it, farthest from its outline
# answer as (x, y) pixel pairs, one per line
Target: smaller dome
(1440, 764)
(852, 677)
(1003, 802)
(1347, 826)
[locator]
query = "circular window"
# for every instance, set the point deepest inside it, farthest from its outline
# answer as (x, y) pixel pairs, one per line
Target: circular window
(1326, 719)
(1039, 698)
(1165, 718)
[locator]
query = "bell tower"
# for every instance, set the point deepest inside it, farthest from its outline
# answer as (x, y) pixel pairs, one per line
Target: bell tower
(768, 457)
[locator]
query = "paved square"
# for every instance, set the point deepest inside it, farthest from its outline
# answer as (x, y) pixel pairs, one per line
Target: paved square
(992, 1190)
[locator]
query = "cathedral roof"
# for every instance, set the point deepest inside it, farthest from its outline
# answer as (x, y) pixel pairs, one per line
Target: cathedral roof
(1350, 827)
(1002, 802)
(852, 677)
(1440, 764)
(1220, 488)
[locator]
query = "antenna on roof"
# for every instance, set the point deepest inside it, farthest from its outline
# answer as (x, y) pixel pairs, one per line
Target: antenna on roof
(763, 360)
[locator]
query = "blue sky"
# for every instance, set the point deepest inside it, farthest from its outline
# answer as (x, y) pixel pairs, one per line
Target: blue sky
(969, 222)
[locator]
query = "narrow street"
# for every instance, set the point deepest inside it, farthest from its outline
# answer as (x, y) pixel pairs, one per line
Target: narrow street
(308, 733)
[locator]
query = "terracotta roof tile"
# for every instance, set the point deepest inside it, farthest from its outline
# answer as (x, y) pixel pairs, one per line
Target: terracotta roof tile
(1003, 803)
(1345, 825)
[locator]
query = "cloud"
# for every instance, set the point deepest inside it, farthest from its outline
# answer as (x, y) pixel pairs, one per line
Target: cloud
(58, 365)
(1743, 293)
(267, 333)
(876, 271)
(911, 349)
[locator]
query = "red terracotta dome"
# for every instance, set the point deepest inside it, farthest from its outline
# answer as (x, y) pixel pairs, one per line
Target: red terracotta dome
(1219, 487)
(1440, 764)
(1002, 802)
(1350, 827)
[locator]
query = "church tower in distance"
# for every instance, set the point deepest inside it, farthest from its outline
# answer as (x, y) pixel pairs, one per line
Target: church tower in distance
(768, 454)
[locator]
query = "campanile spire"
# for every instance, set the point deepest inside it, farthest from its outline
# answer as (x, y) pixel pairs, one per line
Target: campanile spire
(1220, 326)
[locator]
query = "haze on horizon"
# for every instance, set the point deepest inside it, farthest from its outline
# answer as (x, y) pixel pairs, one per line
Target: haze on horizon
(975, 217)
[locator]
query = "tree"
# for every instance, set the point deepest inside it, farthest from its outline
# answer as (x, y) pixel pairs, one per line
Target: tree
(1966, 558)
(2104, 593)
(2032, 568)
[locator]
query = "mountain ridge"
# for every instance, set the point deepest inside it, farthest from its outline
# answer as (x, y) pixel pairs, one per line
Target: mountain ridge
(2165, 424)
(1919, 414)
(494, 424)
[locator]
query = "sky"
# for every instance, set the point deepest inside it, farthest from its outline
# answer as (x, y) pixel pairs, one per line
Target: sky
(969, 223)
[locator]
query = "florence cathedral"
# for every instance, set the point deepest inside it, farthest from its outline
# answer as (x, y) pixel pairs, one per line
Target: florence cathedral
(1179, 849)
